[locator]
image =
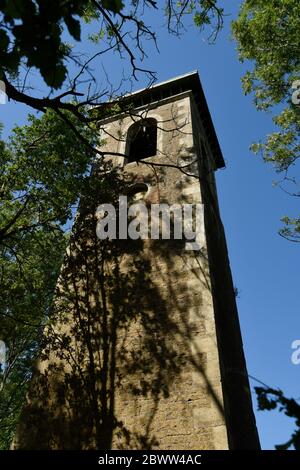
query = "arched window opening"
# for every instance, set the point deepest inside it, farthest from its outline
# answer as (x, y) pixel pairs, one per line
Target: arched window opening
(142, 140)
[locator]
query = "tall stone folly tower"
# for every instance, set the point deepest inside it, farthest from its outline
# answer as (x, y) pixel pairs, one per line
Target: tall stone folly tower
(150, 354)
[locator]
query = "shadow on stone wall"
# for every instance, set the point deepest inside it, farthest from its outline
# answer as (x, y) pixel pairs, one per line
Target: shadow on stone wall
(119, 331)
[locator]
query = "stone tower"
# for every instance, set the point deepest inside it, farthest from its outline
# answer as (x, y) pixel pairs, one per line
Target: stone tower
(149, 355)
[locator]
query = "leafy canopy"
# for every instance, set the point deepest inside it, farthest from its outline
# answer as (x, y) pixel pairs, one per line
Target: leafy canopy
(267, 34)
(43, 171)
(270, 399)
(34, 33)
(33, 29)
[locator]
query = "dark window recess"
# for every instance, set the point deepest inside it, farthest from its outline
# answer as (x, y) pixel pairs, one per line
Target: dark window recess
(142, 140)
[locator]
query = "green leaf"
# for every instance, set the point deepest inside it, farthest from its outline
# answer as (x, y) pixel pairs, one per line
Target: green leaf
(113, 5)
(73, 26)
(4, 40)
(55, 78)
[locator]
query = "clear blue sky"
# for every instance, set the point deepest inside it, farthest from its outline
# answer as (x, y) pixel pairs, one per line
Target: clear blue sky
(265, 267)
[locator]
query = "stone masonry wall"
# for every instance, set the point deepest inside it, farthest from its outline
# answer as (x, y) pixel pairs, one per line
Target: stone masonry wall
(191, 415)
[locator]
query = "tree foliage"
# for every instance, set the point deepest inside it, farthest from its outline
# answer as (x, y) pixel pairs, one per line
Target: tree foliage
(267, 34)
(31, 30)
(270, 399)
(33, 37)
(44, 169)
